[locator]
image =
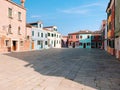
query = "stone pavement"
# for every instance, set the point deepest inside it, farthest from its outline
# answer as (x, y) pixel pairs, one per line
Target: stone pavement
(59, 69)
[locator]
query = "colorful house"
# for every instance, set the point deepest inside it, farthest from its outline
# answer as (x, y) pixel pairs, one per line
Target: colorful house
(96, 39)
(12, 26)
(64, 41)
(85, 39)
(73, 40)
(104, 34)
(110, 27)
(39, 36)
(117, 28)
(54, 37)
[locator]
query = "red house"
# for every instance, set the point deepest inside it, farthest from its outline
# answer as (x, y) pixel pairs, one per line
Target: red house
(73, 40)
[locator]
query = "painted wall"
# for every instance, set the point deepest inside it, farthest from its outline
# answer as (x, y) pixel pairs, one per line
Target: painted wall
(39, 41)
(117, 28)
(84, 40)
(6, 22)
(96, 41)
(54, 40)
(73, 40)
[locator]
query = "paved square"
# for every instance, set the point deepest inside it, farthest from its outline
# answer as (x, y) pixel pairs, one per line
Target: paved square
(59, 69)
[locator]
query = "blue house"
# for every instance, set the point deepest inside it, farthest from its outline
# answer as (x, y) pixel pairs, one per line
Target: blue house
(85, 40)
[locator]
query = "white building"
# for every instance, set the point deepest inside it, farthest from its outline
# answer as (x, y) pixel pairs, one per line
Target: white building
(54, 37)
(39, 36)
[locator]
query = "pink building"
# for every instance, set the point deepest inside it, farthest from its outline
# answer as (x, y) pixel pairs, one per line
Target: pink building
(13, 26)
(64, 41)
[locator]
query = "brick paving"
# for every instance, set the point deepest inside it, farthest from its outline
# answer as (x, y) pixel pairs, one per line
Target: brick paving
(59, 69)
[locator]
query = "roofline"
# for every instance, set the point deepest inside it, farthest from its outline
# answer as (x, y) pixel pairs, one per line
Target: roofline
(35, 22)
(20, 6)
(49, 26)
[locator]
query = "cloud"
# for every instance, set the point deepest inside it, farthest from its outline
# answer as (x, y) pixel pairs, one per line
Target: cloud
(36, 16)
(74, 11)
(84, 9)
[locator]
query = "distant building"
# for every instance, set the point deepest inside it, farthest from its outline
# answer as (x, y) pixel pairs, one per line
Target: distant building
(85, 39)
(54, 37)
(12, 26)
(111, 27)
(64, 41)
(117, 28)
(39, 36)
(73, 40)
(104, 34)
(96, 39)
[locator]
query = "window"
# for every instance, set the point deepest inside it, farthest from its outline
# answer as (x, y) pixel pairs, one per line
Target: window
(46, 43)
(52, 35)
(88, 36)
(99, 43)
(40, 25)
(77, 36)
(99, 37)
(28, 37)
(41, 34)
(38, 42)
(19, 30)
(45, 35)
(38, 34)
(48, 34)
(88, 44)
(55, 29)
(80, 44)
(110, 24)
(9, 29)
(70, 36)
(19, 16)
(80, 37)
(9, 12)
(32, 33)
(21, 43)
(57, 41)
(6, 42)
(51, 42)
(59, 36)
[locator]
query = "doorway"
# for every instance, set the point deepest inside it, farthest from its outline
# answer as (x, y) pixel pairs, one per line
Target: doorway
(32, 44)
(14, 45)
(84, 45)
(54, 43)
(96, 45)
(73, 44)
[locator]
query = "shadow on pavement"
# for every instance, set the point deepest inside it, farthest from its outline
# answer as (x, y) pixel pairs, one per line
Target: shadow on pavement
(91, 67)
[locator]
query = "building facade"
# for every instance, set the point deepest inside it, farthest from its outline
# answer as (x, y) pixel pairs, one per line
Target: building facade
(54, 37)
(85, 39)
(117, 28)
(12, 26)
(39, 36)
(104, 34)
(110, 27)
(73, 40)
(96, 40)
(64, 41)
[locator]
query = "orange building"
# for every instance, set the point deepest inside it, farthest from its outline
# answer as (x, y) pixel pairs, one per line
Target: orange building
(110, 27)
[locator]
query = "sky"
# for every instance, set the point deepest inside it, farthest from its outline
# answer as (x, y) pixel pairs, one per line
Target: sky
(68, 15)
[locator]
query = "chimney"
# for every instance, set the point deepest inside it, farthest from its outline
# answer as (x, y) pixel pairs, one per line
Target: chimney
(22, 2)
